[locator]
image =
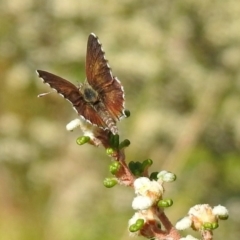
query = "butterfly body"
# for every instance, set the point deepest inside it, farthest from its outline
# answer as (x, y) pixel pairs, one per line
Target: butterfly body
(89, 94)
(92, 97)
(100, 99)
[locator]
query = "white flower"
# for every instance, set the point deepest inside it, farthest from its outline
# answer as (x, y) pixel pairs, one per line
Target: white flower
(162, 173)
(97, 135)
(140, 183)
(141, 203)
(145, 187)
(184, 223)
(220, 211)
(166, 176)
(73, 124)
(201, 214)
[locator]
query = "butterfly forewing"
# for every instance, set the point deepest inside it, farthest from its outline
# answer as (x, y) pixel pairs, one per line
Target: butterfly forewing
(98, 72)
(72, 94)
(62, 86)
(100, 77)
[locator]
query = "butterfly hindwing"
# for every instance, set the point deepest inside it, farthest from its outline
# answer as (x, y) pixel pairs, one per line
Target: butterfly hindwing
(114, 99)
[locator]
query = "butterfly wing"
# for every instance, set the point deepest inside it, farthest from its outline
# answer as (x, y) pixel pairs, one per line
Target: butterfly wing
(69, 91)
(99, 76)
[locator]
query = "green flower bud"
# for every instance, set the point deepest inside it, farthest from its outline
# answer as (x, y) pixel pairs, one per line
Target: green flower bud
(114, 167)
(153, 176)
(215, 225)
(223, 217)
(137, 226)
(131, 166)
(82, 140)
(146, 164)
(133, 228)
(136, 168)
(165, 203)
(139, 223)
(110, 151)
(110, 182)
(207, 226)
(114, 141)
(124, 143)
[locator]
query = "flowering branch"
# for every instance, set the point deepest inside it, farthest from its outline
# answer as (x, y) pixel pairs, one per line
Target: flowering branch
(149, 219)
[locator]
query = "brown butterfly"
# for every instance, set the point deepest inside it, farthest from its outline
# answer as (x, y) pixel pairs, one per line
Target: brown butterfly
(100, 99)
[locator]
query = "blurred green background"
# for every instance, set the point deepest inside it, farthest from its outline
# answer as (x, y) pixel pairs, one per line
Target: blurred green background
(179, 62)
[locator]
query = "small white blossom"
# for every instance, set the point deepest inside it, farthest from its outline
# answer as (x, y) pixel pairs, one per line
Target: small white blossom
(162, 173)
(166, 176)
(97, 135)
(200, 214)
(142, 182)
(141, 203)
(145, 187)
(220, 211)
(87, 128)
(184, 223)
(202, 211)
(73, 124)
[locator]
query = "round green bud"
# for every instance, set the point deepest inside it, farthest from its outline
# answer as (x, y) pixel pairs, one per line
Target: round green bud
(82, 140)
(215, 225)
(165, 203)
(207, 226)
(223, 217)
(139, 223)
(110, 151)
(110, 182)
(114, 167)
(133, 228)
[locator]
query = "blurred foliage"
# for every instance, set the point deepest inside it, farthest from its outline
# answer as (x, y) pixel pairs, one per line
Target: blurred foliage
(179, 62)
